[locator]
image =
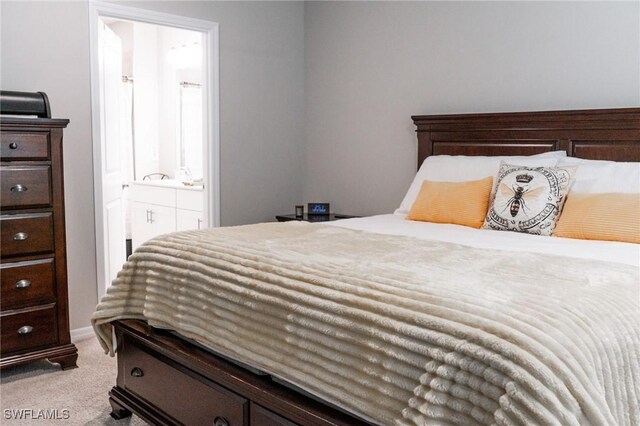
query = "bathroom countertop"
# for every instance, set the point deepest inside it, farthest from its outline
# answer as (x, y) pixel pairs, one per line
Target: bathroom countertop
(168, 183)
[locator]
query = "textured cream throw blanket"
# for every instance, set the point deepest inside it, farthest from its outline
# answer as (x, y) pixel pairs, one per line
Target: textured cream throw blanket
(399, 330)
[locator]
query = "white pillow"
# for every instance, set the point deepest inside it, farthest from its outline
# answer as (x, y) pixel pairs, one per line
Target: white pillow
(596, 176)
(462, 168)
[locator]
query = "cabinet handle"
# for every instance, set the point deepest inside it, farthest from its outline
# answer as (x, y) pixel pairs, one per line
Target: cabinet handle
(220, 421)
(13, 145)
(199, 222)
(150, 216)
(147, 215)
(25, 329)
(23, 284)
(18, 188)
(20, 236)
(137, 372)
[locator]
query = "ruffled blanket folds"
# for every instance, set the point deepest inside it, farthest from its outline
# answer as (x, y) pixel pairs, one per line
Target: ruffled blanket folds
(395, 329)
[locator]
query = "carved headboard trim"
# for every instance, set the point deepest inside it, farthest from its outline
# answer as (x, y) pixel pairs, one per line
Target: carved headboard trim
(598, 134)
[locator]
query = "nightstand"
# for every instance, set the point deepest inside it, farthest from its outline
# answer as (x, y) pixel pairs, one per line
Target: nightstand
(313, 217)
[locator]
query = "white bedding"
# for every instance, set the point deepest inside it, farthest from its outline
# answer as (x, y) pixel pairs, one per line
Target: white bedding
(396, 224)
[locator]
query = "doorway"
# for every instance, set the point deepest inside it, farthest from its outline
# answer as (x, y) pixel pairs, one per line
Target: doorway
(154, 82)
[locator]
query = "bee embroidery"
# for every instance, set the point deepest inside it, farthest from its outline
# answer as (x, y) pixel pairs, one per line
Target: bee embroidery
(519, 194)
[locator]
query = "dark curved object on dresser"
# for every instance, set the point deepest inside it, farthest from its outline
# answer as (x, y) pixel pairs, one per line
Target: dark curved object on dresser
(25, 103)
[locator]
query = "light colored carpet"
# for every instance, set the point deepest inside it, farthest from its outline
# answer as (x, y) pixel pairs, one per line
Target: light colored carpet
(82, 391)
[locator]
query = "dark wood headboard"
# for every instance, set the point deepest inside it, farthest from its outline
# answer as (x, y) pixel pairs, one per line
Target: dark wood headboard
(597, 134)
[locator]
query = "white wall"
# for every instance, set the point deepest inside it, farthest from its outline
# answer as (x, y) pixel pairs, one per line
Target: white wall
(124, 30)
(145, 50)
(146, 99)
(45, 46)
(369, 66)
(169, 77)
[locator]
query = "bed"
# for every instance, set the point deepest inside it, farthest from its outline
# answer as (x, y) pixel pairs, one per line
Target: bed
(399, 322)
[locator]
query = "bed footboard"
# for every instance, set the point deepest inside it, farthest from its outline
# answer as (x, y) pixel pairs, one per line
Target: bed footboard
(166, 380)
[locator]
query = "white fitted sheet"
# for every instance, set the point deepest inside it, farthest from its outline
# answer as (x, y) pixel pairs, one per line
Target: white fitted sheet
(396, 224)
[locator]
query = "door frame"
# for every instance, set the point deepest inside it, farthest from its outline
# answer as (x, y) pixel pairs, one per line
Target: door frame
(211, 82)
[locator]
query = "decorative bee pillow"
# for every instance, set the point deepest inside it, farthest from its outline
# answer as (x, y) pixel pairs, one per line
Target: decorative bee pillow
(528, 199)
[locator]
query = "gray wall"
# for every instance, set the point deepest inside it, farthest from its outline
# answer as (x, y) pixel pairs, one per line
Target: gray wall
(45, 47)
(363, 69)
(37, 55)
(371, 65)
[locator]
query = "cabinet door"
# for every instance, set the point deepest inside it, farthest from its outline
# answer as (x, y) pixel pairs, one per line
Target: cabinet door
(188, 219)
(150, 220)
(162, 218)
(141, 228)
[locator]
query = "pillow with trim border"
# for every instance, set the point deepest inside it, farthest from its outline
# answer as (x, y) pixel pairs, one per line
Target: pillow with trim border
(528, 199)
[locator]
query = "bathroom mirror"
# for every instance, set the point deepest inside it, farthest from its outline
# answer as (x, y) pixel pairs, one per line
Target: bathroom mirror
(190, 129)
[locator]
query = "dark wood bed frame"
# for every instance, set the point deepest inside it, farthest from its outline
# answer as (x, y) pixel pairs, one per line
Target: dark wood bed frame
(167, 380)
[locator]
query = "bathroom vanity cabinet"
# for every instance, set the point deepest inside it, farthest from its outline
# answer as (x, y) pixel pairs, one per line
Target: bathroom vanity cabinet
(163, 206)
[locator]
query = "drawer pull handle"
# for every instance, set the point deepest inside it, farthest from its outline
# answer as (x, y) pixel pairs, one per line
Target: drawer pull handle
(18, 188)
(13, 145)
(20, 236)
(23, 284)
(25, 329)
(220, 421)
(137, 372)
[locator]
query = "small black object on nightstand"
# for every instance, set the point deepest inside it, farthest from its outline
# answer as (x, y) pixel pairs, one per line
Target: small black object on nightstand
(313, 217)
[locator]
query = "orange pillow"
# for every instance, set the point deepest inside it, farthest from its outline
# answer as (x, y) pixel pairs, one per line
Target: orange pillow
(608, 217)
(460, 203)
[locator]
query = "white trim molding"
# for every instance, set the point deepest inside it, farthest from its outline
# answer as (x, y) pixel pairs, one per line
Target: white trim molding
(211, 83)
(79, 334)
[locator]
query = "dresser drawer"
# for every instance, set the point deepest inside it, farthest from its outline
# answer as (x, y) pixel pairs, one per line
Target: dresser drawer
(28, 330)
(260, 416)
(24, 146)
(24, 187)
(193, 400)
(26, 234)
(27, 283)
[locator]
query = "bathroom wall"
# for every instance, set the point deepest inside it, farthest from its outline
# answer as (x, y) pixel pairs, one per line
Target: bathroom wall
(124, 30)
(146, 99)
(170, 74)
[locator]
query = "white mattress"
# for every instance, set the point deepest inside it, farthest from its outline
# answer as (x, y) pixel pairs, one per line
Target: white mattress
(396, 224)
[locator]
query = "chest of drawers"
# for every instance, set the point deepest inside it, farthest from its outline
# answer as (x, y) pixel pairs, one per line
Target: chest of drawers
(34, 317)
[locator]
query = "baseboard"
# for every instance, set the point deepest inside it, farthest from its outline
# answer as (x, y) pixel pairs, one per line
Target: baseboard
(83, 333)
